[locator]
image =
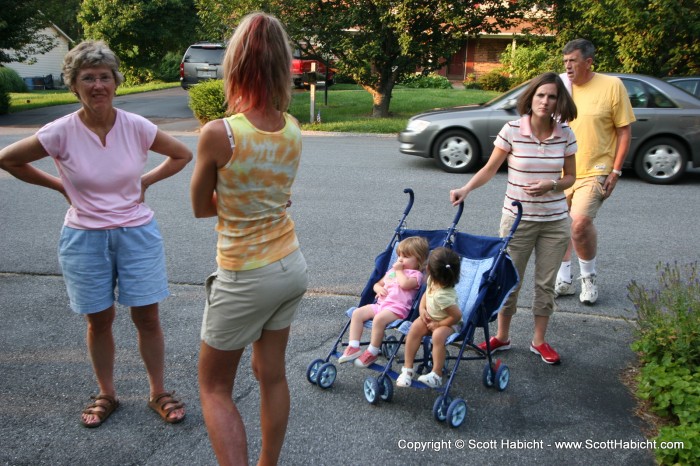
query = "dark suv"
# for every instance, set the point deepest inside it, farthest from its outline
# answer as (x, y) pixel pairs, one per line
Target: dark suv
(202, 61)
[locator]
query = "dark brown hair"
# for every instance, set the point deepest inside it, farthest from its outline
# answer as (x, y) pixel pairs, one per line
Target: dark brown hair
(443, 267)
(565, 109)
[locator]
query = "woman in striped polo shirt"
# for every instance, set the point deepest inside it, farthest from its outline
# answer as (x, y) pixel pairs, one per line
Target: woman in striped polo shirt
(541, 165)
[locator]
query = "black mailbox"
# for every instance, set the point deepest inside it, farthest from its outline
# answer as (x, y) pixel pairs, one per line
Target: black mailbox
(310, 77)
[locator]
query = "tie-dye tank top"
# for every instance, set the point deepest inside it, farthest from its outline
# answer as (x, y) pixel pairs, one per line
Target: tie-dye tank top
(252, 193)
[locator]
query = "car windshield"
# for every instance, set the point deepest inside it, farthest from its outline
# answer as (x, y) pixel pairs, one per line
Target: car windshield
(508, 98)
(213, 56)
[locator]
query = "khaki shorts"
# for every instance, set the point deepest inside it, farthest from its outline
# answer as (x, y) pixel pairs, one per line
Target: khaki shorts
(586, 196)
(241, 304)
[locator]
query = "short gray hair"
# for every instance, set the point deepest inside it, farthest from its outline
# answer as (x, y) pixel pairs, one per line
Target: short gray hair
(585, 46)
(88, 54)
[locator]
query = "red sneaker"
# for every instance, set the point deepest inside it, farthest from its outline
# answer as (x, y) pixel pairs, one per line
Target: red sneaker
(496, 345)
(366, 360)
(351, 352)
(546, 352)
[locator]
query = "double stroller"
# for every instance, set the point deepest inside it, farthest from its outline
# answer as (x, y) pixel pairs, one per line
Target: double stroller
(487, 277)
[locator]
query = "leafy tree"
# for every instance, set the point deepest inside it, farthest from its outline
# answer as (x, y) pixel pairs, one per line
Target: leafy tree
(64, 14)
(378, 41)
(656, 37)
(141, 32)
(20, 23)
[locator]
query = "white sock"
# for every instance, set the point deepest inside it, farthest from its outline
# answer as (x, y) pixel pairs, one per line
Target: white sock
(354, 343)
(565, 272)
(587, 267)
(373, 349)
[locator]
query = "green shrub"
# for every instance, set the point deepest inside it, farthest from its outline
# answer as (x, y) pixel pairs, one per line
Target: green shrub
(168, 70)
(341, 78)
(493, 81)
(135, 76)
(528, 61)
(207, 100)
(667, 341)
(428, 81)
(10, 80)
(470, 82)
(4, 100)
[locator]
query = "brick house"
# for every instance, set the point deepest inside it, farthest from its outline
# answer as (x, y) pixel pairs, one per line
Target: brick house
(482, 53)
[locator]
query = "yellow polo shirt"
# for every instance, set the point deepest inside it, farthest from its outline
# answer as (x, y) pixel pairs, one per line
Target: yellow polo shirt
(602, 105)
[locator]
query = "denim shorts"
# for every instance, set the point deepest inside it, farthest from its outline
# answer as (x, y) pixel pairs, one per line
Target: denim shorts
(241, 304)
(95, 263)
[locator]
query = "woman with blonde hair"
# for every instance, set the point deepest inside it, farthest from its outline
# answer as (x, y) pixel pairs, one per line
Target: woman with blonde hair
(245, 168)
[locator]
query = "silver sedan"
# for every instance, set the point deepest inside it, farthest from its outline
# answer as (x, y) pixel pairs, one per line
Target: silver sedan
(665, 137)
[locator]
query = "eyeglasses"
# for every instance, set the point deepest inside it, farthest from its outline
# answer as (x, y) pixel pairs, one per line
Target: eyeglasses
(91, 80)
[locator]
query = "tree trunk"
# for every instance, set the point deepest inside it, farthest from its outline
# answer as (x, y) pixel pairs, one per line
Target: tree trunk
(381, 98)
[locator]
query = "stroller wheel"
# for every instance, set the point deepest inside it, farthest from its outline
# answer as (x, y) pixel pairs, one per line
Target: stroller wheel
(390, 346)
(502, 377)
(312, 370)
(326, 375)
(371, 390)
(440, 406)
(457, 412)
(487, 376)
(386, 388)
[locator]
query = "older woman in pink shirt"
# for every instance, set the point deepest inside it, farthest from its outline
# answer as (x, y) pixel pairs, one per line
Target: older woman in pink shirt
(110, 240)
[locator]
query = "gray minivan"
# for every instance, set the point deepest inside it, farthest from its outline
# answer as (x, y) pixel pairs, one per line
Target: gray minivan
(202, 61)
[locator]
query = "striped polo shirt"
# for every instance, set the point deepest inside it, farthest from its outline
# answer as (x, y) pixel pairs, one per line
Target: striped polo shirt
(530, 160)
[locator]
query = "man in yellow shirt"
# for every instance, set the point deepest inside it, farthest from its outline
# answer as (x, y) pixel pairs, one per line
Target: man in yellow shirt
(603, 134)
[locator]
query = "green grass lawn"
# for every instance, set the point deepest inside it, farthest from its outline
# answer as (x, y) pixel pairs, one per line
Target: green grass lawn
(20, 101)
(349, 107)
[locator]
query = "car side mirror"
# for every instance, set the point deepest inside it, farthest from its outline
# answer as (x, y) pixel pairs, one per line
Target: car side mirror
(510, 104)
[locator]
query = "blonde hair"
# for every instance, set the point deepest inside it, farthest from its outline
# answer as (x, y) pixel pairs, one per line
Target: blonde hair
(89, 54)
(257, 65)
(415, 246)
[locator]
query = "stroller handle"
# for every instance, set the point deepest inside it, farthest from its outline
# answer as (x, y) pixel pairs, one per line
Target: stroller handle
(518, 206)
(408, 191)
(458, 215)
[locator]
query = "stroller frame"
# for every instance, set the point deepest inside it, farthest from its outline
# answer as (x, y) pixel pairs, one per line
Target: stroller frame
(322, 371)
(495, 373)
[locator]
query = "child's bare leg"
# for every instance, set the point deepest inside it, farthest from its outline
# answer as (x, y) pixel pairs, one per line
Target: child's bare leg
(440, 336)
(379, 324)
(359, 316)
(417, 331)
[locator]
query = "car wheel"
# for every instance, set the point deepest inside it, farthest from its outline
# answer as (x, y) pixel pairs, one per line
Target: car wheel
(661, 161)
(456, 152)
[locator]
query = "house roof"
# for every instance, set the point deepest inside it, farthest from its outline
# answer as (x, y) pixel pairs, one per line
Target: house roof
(60, 31)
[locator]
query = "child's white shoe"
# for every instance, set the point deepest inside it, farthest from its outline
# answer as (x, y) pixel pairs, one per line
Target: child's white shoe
(405, 378)
(432, 380)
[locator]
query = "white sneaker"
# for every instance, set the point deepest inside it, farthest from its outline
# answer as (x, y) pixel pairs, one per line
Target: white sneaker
(562, 288)
(589, 289)
(432, 380)
(404, 380)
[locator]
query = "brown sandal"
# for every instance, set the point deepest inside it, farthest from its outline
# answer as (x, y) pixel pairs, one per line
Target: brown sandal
(159, 402)
(101, 410)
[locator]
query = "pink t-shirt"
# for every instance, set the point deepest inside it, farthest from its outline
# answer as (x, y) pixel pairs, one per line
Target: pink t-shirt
(399, 300)
(103, 182)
